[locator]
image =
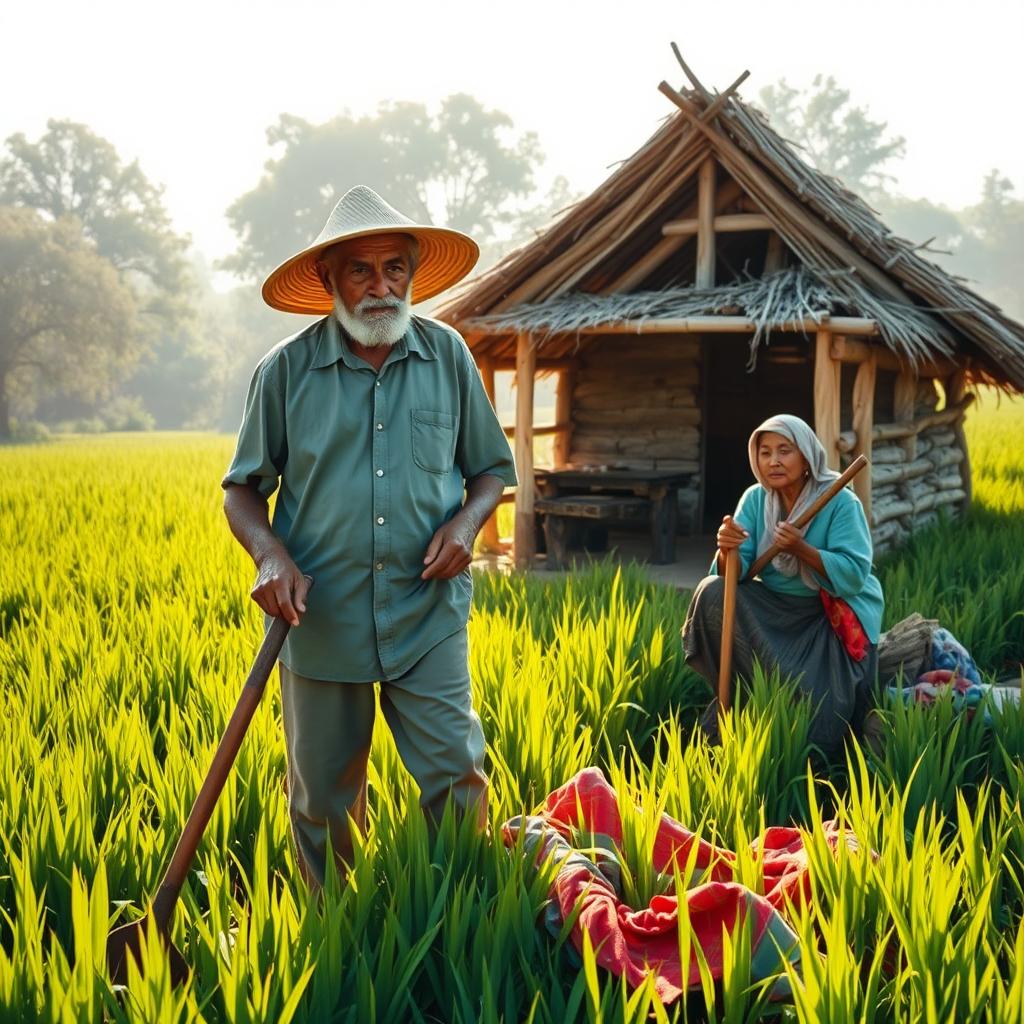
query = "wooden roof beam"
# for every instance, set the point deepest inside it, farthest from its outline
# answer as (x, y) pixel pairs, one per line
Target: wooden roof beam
(730, 325)
(754, 179)
(723, 222)
(711, 111)
(658, 253)
(694, 80)
(845, 350)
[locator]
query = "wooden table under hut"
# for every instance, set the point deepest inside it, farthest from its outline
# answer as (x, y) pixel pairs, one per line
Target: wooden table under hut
(714, 279)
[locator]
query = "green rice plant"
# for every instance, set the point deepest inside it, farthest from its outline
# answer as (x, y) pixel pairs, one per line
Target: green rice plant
(126, 630)
(968, 572)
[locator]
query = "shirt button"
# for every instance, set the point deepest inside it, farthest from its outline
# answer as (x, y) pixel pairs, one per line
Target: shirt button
(380, 565)
(380, 472)
(380, 520)
(378, 383)
(380, 426)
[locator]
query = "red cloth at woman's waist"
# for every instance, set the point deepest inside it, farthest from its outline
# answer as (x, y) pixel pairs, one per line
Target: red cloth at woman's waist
(846, 625)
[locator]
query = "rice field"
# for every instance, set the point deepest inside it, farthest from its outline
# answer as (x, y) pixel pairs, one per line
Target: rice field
(126, 631)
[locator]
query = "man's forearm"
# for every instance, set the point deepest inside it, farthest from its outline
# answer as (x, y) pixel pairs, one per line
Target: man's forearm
(246, 511)
(482, 496)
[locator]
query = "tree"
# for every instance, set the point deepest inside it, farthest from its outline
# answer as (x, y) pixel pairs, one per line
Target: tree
(72, 172)
(993, 248)
(66, 318)
(460, 167)
(836, 137)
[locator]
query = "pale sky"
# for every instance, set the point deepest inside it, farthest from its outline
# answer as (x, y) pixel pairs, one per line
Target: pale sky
(190, 87)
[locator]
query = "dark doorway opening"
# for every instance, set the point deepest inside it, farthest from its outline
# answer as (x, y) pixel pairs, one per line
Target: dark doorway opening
(736, 400)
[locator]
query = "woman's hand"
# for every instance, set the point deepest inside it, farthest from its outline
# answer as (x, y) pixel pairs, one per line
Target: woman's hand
(790, 539)
(730, 534)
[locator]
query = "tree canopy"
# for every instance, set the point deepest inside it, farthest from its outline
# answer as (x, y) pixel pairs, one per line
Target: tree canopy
(72, 172)
(66, 318)
(462, 166)
(836, 136)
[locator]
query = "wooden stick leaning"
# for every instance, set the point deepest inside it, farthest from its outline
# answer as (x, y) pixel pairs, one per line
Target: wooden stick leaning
(732, 577)
(127, 939)
(804, 518)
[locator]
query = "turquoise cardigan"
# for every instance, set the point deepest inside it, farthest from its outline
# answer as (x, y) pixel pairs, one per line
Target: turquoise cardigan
(840, 533)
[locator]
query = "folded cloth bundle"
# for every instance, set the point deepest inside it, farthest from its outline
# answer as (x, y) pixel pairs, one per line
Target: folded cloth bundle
(580, 827)
(967, 695)
(949, 653)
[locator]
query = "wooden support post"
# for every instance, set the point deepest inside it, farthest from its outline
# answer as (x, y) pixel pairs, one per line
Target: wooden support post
(563, 415)
(706, 224)
(826, 396)
(489, 539)
(956, 391)
(525, 535)
(775, 255)
(904, 402)
(863, 425)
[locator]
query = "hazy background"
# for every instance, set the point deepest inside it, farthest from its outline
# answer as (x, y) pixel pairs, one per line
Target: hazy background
(156, 160)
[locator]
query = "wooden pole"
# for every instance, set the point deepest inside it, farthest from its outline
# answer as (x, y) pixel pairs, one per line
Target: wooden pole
(563, 416)
(639, 269)
(956, 394)
(526, 362)
(706, 224)
(826, 396)
(489, 539)
(775, 255)
(904, 402)
(732, 578)
(847, 350)
(850, 473)
(721, 324)
(863, 425)
(723, 223)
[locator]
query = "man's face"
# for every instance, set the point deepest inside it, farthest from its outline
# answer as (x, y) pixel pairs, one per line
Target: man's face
(375, 267)
(369, 279)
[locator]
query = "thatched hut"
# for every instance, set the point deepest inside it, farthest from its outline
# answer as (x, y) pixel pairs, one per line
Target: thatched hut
(715, 278)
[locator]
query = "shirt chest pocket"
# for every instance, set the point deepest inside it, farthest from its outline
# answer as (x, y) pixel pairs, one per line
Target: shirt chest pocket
(433, 440)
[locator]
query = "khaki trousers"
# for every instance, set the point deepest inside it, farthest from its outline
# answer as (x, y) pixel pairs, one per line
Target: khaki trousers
(328, 727)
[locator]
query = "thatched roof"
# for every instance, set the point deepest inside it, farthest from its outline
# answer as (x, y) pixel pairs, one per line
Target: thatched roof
(606, 260)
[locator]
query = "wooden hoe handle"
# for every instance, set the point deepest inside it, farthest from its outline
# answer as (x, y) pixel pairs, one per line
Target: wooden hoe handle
(181, 860)
(732, 577)
(805, 517)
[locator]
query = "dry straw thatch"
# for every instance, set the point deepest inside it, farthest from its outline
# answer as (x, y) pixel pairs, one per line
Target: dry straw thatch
(793, 294)
(584, 270)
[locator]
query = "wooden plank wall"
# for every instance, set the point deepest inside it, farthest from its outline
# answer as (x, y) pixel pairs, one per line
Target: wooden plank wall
(636, 403)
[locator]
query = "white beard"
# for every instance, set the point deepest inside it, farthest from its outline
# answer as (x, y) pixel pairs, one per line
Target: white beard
(373, 329)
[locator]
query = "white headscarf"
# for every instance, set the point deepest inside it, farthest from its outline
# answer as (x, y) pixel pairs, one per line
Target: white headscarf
(819, 477)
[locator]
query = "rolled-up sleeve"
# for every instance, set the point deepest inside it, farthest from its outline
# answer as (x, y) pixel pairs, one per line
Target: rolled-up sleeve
(846, 553)
(262, 447)
(481, 446)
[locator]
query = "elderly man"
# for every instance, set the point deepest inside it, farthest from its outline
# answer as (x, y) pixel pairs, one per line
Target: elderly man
(374, 424)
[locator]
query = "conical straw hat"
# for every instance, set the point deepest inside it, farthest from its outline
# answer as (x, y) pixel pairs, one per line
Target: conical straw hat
(446, 256)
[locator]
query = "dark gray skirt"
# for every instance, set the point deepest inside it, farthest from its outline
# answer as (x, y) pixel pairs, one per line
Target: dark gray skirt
(789, 633)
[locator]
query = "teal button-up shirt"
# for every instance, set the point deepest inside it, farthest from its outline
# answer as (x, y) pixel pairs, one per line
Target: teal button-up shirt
(367, 466)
